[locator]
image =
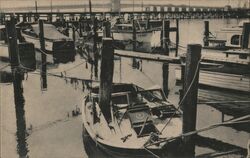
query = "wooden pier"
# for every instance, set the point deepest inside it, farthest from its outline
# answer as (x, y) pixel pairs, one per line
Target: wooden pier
(192, 13)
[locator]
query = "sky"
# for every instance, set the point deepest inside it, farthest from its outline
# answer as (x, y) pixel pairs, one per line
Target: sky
(208, 3)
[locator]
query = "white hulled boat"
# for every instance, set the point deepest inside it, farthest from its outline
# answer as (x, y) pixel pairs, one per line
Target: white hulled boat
(132, 122)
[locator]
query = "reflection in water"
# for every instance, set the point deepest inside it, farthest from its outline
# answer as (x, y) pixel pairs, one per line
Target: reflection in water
(90, 147)
(218, 145)
(44, 72)
(22, 146)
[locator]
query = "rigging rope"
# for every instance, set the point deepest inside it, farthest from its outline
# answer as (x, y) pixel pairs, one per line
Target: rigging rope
(239, 120)
(184, 96)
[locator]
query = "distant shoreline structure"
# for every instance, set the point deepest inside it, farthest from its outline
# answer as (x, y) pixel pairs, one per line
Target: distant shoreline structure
(106, 6)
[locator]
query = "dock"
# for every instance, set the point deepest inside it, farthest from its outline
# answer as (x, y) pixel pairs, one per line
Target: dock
(147, 56)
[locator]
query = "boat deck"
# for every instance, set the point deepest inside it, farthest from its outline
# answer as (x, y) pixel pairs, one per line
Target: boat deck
(122, 135)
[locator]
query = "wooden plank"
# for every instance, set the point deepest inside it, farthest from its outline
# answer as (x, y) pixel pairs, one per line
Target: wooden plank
(238, 52)
(220, 59)
(221, 81)
(147, 56)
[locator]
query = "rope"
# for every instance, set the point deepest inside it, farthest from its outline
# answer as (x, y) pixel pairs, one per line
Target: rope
(151, 152)
(40, 50)
(66, 70)
(182, 100)
(55, 75)
(238, 120)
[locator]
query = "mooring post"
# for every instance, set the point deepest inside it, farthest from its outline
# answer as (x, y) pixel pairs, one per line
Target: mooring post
(165, 72)
(148, 22)
(17, 86)
(206, 34)
(18, 17)
(189, 105)
(95, 38)
(43, 56)
(106, 77)
(29, 17)
(182, 81)
(134, 35)
(24, 18)
(80, 27)
(12, 44)
(134, 62)
(177, 37)
(107, 29)
(245, 35)
(73, 32)
(165, 36)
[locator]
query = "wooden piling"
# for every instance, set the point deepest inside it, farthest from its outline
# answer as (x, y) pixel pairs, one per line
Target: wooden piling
(190, 93)
(73, 33)
(177, 37)
(12, 43)
(165, 36)
(165, 74)
(80, 27)
(148, 23)
(134, 35)
(95, 38)
(17, 86)
(106, 77)
(24, 18)
(14, 58)
(182, 82)
(245, 36)
(43, 56)
(206, 33)
(107, 29)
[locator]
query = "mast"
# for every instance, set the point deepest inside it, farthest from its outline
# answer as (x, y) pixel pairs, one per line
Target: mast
(36, 6)
(51, 6)
(142, 5)
(90, 7)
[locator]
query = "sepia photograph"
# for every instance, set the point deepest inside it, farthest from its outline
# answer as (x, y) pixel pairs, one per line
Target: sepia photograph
(124, 78)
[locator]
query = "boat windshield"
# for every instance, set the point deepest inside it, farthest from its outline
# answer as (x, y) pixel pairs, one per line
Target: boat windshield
(152, 95)
(121, 99)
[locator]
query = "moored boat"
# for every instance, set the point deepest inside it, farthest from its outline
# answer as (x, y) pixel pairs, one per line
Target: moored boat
(224, 69)
(60, 46)
(123, 35)
(226, 38)
(135, 118)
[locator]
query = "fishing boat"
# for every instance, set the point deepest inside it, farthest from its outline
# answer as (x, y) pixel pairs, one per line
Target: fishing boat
(227, 38)
(133, 120)
(60, 46)
(122, 34)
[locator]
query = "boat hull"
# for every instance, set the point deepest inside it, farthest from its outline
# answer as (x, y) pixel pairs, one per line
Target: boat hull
(221, 80)
(126, 40)
(116, 151)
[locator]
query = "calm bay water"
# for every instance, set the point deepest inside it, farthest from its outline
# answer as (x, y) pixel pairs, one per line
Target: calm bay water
(52, 132)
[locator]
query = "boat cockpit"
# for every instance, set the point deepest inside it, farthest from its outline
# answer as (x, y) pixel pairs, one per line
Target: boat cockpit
(141, 107)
